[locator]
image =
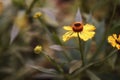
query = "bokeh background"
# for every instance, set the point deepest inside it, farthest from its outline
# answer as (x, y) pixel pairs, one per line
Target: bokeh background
(20, 33)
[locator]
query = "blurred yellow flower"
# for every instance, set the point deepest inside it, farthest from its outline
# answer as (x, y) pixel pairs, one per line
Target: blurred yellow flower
(85, 31)
(37, 14)
(38, 49)
(1, 7)
(21, 20)
(114, 40)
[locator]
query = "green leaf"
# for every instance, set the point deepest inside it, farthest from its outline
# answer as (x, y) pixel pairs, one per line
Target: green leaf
(75, 65)
(87, 47)
(44, 70)
(49, 16)
(112, 60)
(44, 76)
(56, 39)
(14, 32)
(56, 47)
(92, 75)
(89, 18)
(100, 30)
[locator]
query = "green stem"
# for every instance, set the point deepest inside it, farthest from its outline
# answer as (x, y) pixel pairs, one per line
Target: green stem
(67, 56)
(47, 30)
(31, 6)
(93, 63)
(113, 52)
(54, 63)
(81, 49)
(98, 48)
(44, 25)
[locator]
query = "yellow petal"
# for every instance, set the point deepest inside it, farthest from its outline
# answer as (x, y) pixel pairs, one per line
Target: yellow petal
(113, 44)
(119, 38)
(85, 35)
(88, 27)
(111, 40)
(118, 46)
(67, 27)
(69, 35)
(114, 41)
(115, 36)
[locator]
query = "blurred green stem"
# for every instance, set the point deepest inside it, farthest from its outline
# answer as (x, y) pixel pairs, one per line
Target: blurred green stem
(76, 73)
(44, 25)
(59, 68)
(81, 49)
(54, 63)
(68, 57)
(31, 6)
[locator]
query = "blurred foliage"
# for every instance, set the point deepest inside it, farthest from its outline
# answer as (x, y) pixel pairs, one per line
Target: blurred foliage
(20, 33)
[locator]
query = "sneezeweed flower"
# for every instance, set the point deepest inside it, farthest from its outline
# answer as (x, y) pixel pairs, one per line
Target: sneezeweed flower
(38, 49)
(85, 32)
(37, 14)
(114, 40)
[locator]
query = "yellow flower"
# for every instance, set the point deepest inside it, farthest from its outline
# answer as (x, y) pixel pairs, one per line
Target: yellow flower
(21, 20)
(114, 40)
(38, 49)
(85, 31)
(37, 14)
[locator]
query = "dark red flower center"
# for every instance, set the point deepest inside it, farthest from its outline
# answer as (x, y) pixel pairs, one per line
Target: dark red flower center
(77, 27)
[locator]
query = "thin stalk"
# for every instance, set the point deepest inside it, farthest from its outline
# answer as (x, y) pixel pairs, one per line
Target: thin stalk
(44, 25)
(67, 56)
(54, 63)
(98, 48)
(31, 6)
(49, 33)
(76, 73)
(81, 50)
(59, 68)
